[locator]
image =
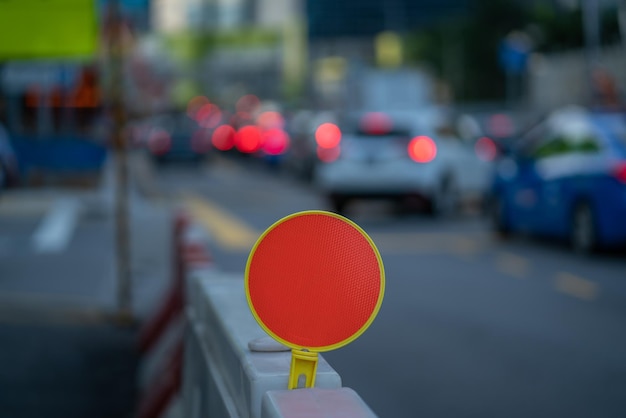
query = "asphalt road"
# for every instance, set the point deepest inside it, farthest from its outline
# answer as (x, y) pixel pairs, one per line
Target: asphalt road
(470, 326)
(61, 353)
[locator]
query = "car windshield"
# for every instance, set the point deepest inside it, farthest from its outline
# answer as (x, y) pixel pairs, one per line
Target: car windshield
(393, 134)
(360, 132)
(614, 126)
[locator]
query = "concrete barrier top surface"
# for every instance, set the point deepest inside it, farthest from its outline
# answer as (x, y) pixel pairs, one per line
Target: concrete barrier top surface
(223, 322)
(225, 295)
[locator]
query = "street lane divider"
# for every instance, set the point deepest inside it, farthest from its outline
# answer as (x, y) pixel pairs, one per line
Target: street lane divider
(513, 265)
(225, 376)
(227, 231)
(577, 287)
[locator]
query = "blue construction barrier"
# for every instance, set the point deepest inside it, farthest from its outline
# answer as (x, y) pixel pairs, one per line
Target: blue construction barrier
(59, 154)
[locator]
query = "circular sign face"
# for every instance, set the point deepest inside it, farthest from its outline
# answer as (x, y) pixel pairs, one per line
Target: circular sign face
(314, 280)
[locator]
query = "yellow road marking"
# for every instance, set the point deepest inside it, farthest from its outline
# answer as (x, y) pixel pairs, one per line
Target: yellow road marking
(228, 231)
(577, 287)
(465, 247)
(513, 265)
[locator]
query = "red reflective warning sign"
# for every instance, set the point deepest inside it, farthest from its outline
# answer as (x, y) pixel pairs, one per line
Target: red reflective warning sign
(314, 280)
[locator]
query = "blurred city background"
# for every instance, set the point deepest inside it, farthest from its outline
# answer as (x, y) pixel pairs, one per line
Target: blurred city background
(480, 143)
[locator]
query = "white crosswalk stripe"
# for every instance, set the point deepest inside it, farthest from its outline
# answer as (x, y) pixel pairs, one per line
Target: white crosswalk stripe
(55, 230)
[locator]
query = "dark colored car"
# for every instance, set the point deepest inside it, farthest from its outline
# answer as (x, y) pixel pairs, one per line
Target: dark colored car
(566, 178)
(177, 137)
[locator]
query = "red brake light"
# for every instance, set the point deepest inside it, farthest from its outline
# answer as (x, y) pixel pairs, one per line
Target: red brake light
(270, 120)
(486, 149)
(328, 135)
(275, 141)
(223, 137)
(248, 139)
(422, 149)
(160, 142)
(376, 123)
(620, 172)
(209, 116)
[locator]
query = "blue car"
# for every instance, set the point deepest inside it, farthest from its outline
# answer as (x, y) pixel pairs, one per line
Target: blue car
(565, 178)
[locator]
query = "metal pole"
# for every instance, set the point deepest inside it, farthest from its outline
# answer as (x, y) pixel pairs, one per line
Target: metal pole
(621, 16)
(591, 22)
(124, 285)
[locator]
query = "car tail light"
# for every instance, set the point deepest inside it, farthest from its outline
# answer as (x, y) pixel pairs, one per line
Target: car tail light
(275, 141)
(248, 139)
(376, 123)
(160, 142)
(422, 149)
(328, 135)
(486, 149)
(209, 116)
(620, 172)
(223, 137)
(270, 120)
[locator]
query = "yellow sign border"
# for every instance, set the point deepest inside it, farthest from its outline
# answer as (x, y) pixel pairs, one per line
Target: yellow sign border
(369, 321)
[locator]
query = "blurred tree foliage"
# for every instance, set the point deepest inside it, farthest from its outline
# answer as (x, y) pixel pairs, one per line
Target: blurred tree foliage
(463, 50)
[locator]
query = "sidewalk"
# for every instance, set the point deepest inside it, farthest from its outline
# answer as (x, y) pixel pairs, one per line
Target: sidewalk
(62, 356)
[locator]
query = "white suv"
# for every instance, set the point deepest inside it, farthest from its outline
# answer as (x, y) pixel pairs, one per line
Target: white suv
(378, 155)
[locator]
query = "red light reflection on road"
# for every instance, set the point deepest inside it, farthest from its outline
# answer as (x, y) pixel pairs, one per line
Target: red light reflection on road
(328, 155)
(248, 139)
(328, 135)
(223, 138)
(422, 149)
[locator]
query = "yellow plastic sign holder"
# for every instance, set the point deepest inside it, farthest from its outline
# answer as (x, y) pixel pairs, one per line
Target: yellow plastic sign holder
(304, 360)
(303, 363)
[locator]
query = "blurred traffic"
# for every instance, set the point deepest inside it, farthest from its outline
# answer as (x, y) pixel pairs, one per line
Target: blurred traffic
(565, 177)
(476, 140)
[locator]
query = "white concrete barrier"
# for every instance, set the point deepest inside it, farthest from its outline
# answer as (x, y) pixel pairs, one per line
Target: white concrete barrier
(223, 377)
(307, 403)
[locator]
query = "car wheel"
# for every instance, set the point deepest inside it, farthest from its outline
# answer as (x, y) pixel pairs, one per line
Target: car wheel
(498, 217)
(445, 201)
(583, 232)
